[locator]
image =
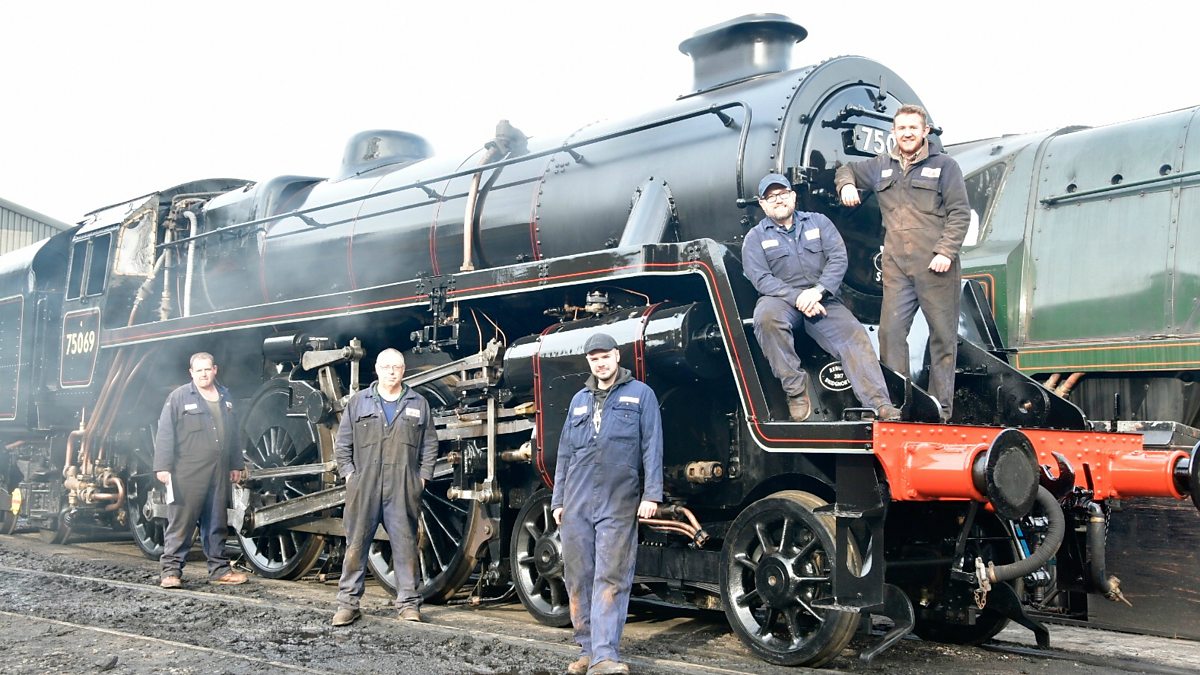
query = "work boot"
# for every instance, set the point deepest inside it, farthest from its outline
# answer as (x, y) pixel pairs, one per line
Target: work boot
(170, 582)
(609, 667)
(230, 578)
(579, 666)
(888, 413)
(345, 616)
(410, 614)
(799, 408)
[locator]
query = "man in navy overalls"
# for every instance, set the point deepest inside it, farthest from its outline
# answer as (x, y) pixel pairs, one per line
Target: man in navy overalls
(609, 474)
(385, 448)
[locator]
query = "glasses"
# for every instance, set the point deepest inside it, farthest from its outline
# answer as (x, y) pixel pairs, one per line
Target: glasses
(778, 196)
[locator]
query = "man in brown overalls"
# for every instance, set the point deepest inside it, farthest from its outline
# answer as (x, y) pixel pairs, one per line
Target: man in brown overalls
(923, 200)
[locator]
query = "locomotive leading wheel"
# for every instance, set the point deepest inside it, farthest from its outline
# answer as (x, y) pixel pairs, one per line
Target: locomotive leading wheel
(277, 440)
(445, 532)
(777, 560)
(535, 556)
(989, 540)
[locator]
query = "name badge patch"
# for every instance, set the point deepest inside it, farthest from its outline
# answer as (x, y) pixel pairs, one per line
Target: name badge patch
(886, 173)
(190, 406)
(931, 171)
(412, 412)
(812, 234)
(628, 399)
(579, 410)
(770, 243)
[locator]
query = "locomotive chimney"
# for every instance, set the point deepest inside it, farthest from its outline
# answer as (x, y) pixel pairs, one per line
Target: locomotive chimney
(745, 47)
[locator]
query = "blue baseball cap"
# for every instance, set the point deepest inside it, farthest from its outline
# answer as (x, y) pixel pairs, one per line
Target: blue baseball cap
(772, 179)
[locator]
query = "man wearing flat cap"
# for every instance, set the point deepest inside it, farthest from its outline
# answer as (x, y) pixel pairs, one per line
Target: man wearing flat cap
(609, 474)
(796, 261)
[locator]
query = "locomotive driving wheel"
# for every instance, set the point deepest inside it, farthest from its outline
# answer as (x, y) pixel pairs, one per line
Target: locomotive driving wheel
(276, 440)
(147, 531)
(535, 556)
(447, 546)
(777, 562)
(143, 488)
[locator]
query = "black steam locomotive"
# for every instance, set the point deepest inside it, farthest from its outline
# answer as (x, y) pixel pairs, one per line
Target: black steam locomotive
(490, 271)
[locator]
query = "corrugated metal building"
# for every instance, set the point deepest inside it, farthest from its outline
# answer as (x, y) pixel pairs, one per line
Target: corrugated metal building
(20, 226)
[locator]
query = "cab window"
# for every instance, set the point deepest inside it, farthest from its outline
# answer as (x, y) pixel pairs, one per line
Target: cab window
(982, 188)
(89, 267)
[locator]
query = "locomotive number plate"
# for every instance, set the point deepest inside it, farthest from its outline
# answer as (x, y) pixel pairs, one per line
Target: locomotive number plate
(80, 344)
(872, 140)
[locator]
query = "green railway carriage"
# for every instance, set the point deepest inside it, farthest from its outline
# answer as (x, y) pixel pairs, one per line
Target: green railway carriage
(1081, 237)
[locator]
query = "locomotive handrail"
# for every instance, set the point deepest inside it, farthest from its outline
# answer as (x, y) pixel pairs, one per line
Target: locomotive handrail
(569, 148)
(1058, 199)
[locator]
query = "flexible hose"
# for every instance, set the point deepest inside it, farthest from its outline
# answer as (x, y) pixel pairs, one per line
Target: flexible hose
(1110, 586)
(1048, 547)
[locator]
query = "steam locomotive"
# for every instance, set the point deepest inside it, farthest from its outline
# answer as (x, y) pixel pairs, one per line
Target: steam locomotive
(490, 272)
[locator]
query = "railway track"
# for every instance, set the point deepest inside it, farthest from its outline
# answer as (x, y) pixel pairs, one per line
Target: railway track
(102, 595)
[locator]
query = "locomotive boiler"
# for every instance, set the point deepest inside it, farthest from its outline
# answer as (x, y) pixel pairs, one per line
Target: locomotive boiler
(490, 271)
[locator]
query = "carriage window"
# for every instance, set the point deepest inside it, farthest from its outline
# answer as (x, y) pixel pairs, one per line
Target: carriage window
(982, 188)
(78, 259)
(98, 264)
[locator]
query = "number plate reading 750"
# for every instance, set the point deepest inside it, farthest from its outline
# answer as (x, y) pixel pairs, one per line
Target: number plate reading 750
(872, 141)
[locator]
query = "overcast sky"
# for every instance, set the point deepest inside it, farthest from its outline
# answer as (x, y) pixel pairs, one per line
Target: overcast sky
(104, 101)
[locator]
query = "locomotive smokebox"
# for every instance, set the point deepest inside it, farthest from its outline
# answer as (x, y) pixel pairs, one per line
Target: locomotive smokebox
(741, 48)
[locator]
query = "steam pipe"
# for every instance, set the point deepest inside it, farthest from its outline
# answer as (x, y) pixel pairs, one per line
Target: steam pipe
(493, 151)
(164, 304)
(1054, 538)
(114, 481)
(118, 397)
(1064, 389)
(1110, 586)
(69, 460)
(191, 263)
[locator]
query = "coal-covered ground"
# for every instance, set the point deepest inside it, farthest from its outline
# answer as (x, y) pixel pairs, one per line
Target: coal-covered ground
(96, 607)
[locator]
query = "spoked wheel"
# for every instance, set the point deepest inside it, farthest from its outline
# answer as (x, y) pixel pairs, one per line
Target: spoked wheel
(147, 531)
(449, 550)
(535, 556)
(58, 530)
(276, 440)
(777, 561)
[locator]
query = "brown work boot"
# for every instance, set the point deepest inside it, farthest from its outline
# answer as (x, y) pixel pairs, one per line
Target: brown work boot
(888, 413)
(230, 578)
(170, 582)
(410, 614)
(609, 667)
(579, 666)
(345, 616)
(799, 408)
